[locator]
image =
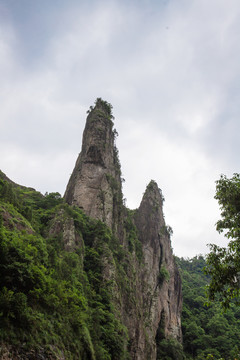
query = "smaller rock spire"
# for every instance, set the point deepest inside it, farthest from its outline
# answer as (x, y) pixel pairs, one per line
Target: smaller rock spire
(157, 254)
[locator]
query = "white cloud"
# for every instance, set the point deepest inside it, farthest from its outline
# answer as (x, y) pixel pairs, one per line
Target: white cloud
(170, 69)
(186, 178)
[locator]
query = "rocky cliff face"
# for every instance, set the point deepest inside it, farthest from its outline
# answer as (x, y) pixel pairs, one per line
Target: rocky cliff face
(163, 298)
(95, 184)
(148, 300)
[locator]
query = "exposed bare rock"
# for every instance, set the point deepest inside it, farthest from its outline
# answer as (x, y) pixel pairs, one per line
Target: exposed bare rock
(64, 225)
(95, 184)
(163, 298)
(15, 221)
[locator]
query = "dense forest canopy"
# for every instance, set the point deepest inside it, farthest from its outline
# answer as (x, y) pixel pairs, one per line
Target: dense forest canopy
(208, 331)
(52, 301)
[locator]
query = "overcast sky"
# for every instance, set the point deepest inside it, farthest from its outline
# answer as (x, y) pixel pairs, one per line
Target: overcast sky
(171, 70)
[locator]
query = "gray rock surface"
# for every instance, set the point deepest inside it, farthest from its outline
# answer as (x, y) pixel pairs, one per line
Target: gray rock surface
(95, 184)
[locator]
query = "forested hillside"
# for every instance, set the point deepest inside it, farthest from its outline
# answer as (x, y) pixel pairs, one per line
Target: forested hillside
(208, 332)
(53, 304)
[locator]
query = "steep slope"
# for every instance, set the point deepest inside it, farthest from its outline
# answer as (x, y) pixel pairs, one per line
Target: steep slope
(152, 312)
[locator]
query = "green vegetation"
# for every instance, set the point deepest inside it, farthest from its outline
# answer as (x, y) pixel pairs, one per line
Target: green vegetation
(54, 301)
(104, 105)
(223, 264)
(208, 333)
(170, 349)
(163, 275)
(167, 348)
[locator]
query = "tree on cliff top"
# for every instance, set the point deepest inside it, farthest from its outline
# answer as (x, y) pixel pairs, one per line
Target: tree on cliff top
(223, 264)
(102, 104)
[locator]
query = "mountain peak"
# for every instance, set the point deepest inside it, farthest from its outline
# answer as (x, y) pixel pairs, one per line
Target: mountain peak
(104, 106)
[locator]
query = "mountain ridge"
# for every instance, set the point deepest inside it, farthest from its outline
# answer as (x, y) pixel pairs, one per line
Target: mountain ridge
(106, 272)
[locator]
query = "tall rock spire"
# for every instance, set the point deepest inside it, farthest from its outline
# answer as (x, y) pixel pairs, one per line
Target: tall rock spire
(95, 184)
